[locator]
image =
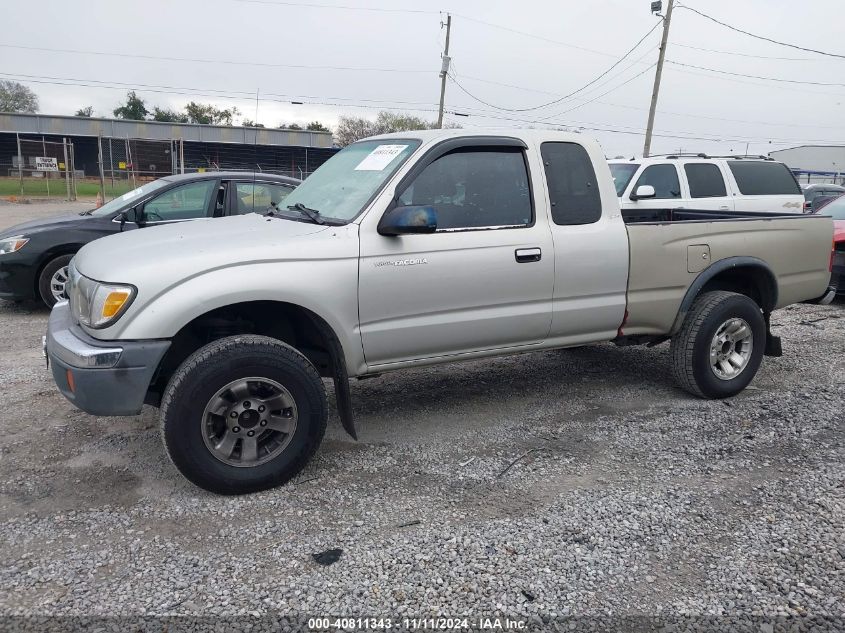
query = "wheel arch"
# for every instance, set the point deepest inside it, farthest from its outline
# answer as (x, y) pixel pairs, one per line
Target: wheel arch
(745, 275)
(297, 326)
(49, 255)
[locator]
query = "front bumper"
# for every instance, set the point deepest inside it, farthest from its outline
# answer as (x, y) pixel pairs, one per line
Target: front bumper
(99, 377)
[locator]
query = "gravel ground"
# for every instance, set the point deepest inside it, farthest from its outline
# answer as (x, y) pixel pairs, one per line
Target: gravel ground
(538, 486)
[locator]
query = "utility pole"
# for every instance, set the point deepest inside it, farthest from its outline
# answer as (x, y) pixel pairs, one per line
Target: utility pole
(652, 110)
(444, 69)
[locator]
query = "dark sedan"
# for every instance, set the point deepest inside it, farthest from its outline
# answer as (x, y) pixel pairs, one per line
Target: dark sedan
(34, 256)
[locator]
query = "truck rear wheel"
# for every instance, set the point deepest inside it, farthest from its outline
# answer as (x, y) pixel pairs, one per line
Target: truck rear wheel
(242, 414)
(720, 345)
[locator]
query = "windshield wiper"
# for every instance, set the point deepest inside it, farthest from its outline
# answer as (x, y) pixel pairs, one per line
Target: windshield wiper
(312, 214)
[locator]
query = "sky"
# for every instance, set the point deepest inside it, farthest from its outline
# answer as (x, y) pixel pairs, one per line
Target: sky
(509, 59)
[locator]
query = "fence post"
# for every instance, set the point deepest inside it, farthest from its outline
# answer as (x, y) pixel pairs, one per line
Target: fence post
(20, 161)
(182, 155)
(46, 173)
(102, 172)
(130, 164)
(72, 171)
(67, 178)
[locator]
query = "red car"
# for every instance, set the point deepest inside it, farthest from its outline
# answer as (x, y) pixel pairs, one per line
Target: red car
(836, 209)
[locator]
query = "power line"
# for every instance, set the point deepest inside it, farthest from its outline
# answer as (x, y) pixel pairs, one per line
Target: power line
(670, 112)
(773, 86)
(559, 99)
(760, 37)
(373, 105)
(714, 50)
(614, 89)
(315, 5)
(777, 79)
(208, 61)
(533, 35)
(234, 94)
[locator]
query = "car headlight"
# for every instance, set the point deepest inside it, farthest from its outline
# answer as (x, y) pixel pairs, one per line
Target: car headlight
(12, 244)
(96, 304)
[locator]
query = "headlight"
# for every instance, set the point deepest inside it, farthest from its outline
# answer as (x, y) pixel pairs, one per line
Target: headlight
(12, 244)
(95, 304)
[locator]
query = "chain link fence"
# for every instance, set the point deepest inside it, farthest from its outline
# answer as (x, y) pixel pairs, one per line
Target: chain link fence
(41, 169)
(86, 167)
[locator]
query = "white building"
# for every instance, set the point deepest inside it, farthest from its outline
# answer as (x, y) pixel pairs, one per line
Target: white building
(814, 163)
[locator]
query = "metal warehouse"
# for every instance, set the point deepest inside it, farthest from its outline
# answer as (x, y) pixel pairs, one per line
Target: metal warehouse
(814, 163)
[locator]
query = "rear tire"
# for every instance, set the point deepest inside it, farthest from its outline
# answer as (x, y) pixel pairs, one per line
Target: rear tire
(720, 345)
(212, 404)
(53, 276)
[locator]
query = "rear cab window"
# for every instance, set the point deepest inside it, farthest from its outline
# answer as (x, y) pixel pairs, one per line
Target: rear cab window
(764, 178)
(573, 189)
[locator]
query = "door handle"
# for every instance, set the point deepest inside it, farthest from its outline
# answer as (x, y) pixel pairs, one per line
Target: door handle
(525, 255)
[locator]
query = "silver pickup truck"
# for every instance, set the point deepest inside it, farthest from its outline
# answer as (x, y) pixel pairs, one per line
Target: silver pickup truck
(409, 250)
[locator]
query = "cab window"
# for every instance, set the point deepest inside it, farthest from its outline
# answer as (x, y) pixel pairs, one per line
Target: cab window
(186, 202)
(475, 188)
(573, 189)
(664, 179)
(259, 196)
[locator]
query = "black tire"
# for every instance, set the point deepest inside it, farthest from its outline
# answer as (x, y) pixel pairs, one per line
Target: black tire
(44, 279)
(690, 348)
(212, 367)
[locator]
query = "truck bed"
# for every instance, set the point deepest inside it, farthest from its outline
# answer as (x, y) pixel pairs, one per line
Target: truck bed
(669, 248)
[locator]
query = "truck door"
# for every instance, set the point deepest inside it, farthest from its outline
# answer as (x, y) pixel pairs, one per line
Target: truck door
(707, 189)
(590, 247)
(482, 281)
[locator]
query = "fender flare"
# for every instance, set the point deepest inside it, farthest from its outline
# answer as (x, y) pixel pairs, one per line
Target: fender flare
(770, 297)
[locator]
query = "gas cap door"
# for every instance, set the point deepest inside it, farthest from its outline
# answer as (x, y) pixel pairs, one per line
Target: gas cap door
(698, 257)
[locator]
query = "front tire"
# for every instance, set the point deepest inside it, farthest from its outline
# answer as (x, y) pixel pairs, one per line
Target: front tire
(52, 280)
(720, 345)
(242, 414)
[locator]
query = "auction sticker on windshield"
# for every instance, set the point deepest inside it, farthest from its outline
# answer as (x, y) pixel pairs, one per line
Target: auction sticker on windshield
(380, 157)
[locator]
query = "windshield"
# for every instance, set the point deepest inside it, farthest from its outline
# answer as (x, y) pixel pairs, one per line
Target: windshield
(120, 202)
(346, 182)
(622, 174)
(835, 209)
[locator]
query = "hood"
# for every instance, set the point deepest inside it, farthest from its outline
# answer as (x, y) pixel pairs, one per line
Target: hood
(35, 226)
(177, 251)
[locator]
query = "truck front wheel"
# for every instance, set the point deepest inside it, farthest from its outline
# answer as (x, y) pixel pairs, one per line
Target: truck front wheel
(242, 414)
(720, 345)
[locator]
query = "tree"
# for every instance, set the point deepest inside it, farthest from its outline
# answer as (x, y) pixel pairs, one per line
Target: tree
(251, 123)
(292, 126)
(134, 108)
(87, 111)
(351, 129)
(167, 115)
(209, 114)
(15, 97)
(316, 126)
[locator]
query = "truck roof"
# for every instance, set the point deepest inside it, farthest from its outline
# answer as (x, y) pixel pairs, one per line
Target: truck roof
(527, 135)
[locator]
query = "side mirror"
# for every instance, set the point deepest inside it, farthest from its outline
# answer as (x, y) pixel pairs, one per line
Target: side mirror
(408, 221)
(643, 191)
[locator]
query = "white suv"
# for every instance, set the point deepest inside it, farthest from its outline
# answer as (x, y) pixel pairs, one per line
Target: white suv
(699, 181)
